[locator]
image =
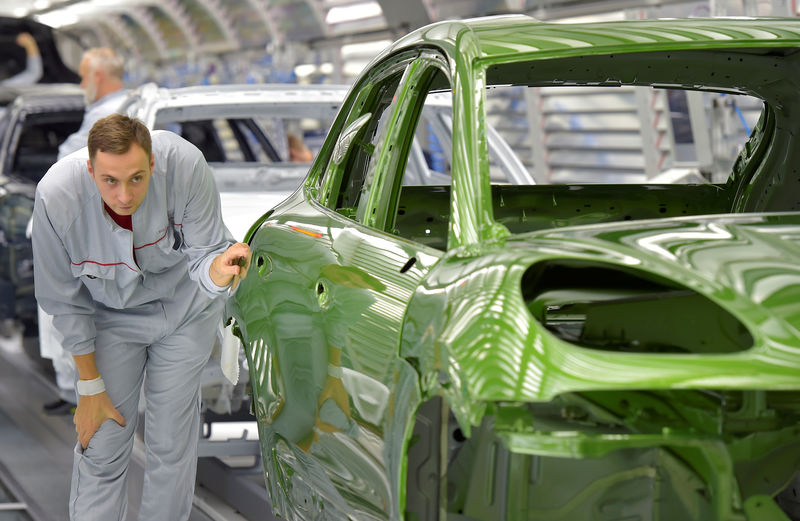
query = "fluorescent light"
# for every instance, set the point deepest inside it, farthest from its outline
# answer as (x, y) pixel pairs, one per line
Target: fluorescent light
(41, 4)
(364, 49)
(19, 12)
(305, 69)
(58, 18)
(326, 68)
(354, 68)
(351, 13)
(72, 14)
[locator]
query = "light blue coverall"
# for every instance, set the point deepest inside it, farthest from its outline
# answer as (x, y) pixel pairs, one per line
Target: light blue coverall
(150, 321)
(29, 76)
(108, 104)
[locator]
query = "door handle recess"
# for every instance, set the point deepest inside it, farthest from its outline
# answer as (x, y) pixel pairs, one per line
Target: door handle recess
(263, 265)
(323, 294)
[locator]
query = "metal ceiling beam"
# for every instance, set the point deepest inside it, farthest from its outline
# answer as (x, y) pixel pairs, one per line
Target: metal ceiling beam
(114, 25)
(261, 9)
(100, 34)
(319, 15)
(176, 12)
(405, 16)
(570, 8)
(220, 16)
(148, 25)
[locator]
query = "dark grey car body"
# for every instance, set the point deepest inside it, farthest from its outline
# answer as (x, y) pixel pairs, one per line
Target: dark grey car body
(32, 127)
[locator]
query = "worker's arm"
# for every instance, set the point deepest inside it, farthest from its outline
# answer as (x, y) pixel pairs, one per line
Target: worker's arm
(60, 293)
(94, 409)
(33, 66)
(207, 243)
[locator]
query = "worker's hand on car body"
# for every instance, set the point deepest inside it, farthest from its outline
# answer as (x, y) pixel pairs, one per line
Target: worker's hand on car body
(231, 263)
(91, 412)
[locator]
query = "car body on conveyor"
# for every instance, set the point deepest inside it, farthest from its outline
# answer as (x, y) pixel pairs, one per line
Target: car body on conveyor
(34, 122)
(561, 352)
(242, 131)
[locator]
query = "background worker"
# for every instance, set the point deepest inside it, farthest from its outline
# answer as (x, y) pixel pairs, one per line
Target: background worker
(132, 259)
(101, 71)
(298, 151)
(33, 63)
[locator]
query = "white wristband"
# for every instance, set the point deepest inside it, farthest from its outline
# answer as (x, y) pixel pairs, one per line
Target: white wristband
(335, 371)
(91, 387)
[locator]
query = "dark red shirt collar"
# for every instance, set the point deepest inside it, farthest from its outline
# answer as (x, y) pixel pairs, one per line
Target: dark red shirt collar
(125, 221)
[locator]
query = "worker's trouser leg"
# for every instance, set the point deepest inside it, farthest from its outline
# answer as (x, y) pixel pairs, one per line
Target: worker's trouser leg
(172, 419)
(50, 342)
(132, 348)
(66, 376)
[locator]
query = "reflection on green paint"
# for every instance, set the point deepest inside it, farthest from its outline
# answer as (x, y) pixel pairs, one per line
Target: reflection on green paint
(557, 353)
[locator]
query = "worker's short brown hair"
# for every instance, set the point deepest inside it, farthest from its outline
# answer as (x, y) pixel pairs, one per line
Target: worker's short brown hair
(114, 134)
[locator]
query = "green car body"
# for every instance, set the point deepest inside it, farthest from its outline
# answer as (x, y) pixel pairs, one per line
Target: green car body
(484, 351)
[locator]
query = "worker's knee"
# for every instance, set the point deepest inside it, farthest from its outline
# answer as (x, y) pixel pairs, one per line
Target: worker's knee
(110, 447)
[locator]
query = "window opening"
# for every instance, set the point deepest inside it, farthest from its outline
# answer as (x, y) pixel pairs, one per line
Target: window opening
(359, 167)
(37, 146)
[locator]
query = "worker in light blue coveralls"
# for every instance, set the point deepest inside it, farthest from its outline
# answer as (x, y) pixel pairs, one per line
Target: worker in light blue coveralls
(101, 70)
(132, 259)
(33, 63)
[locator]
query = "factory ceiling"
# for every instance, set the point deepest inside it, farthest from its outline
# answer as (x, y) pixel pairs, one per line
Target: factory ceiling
(161, 31)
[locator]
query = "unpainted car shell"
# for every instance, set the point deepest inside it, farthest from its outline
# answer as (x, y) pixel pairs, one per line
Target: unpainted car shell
(351, 331)
(246, 188)
(64, 105)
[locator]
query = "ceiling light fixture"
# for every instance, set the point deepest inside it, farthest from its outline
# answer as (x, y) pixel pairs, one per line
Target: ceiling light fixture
(351, 13)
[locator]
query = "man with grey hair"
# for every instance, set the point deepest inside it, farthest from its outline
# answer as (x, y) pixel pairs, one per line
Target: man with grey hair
(101, 71)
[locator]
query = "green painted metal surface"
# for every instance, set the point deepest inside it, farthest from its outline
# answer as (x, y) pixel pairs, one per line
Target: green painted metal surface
(582, 352)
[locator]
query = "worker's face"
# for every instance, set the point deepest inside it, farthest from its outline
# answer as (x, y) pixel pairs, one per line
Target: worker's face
(122, 179)
(89, 80)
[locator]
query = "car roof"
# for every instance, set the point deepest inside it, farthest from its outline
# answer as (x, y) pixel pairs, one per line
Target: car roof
(512, 35)
(46, 96)
(233, 100)
(631, 52)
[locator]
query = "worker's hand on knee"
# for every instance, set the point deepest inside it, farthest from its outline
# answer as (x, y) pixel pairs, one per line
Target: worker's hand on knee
(231, 263)
(92, 411)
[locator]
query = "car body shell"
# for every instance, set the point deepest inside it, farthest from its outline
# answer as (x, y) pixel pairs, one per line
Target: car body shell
(246, 189)
(33, 124)
(397, 376)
